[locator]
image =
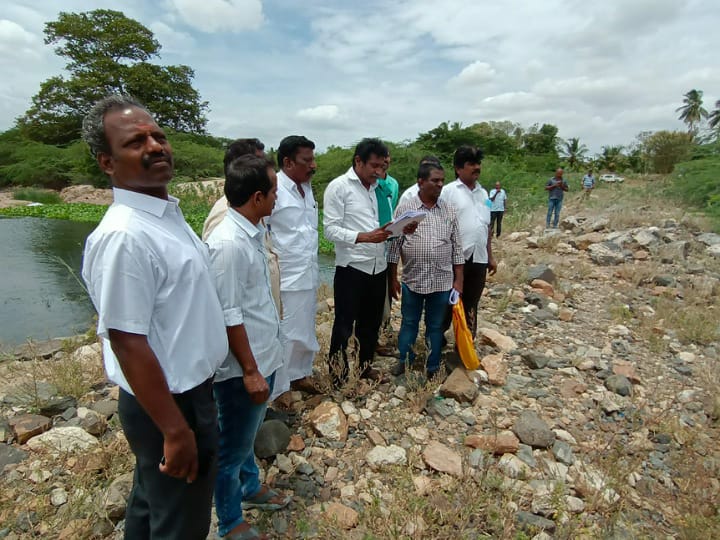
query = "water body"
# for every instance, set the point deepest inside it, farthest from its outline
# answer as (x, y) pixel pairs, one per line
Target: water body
(41, 291)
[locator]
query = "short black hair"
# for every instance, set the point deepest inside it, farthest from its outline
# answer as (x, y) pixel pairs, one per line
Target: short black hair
(426, 168)
(430, 159)
(369, 146)
(290, 145)
(241, 147)
(467, 154)
(245, 176)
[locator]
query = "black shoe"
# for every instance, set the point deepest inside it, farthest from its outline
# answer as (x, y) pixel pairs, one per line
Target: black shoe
(399, 368)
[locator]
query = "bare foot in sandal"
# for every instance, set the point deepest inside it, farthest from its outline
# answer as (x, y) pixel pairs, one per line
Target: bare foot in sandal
(245, 531)
(267, 499)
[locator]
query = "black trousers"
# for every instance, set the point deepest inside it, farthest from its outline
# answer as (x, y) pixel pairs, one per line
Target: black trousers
(161, 507)
(474, 276)
(359, 301)
(496, 219)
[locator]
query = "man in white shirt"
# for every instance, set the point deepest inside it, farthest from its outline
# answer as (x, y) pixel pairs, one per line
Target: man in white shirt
(498, 196)
(293, 228)
(352, 223)
(244, 381)
(472, 205)
(161, 324)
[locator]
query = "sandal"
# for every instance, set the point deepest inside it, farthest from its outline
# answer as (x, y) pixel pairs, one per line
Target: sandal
(261, 500)
(248, 534)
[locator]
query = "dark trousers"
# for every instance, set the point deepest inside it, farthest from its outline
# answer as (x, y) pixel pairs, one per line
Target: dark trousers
(161, 507)
(474, 275)
(359, 300)
(496, 220)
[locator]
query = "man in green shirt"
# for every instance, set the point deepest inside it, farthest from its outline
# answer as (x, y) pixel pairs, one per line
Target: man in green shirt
(387, 193)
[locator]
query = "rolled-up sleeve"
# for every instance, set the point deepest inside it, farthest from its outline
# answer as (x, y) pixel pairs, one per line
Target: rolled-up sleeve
(229, 267)
(334, 214)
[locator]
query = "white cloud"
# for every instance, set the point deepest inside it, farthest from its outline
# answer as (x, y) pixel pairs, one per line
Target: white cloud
(15, 40)
(221, 15)
(320, 115)
(172, 41)
(473, 75)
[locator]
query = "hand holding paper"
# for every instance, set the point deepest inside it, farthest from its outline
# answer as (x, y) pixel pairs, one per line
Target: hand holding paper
(398, 225)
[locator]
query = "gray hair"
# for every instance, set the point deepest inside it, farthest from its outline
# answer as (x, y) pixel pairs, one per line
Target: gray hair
(93, 126)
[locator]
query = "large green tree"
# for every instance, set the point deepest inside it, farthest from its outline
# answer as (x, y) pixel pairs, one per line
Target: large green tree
(107, 53)
(714, 117)
(574, 152)
(692, 111)
(664, 149)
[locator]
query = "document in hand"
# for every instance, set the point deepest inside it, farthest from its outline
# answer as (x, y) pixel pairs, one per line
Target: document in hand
(403, 220)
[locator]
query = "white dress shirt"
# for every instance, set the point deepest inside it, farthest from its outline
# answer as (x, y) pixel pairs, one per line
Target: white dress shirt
(409, 193)
(147, 273)
(473, 211)
(238, 261)
(293, 228)
(348, 210)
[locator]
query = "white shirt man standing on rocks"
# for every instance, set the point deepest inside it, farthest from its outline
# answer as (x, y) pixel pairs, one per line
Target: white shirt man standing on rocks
(161, 324)
(472, 204)
(293, 228)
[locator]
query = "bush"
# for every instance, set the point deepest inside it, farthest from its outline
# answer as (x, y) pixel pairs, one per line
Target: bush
(37, 195)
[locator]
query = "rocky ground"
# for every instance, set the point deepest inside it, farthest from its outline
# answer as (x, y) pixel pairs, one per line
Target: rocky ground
(594, 413)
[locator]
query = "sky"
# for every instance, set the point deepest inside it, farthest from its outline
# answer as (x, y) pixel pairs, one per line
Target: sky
(337, 71)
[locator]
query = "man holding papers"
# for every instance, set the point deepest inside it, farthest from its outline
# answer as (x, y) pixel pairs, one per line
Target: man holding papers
(432, 266)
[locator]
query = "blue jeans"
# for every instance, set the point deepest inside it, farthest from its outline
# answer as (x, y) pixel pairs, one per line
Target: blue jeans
(238, 477)
(436, 306)
(553, 205)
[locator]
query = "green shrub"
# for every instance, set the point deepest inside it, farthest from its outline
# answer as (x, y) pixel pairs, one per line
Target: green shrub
(37, 195)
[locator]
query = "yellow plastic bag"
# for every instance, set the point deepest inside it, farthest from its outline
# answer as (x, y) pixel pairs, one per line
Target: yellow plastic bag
(463, 338)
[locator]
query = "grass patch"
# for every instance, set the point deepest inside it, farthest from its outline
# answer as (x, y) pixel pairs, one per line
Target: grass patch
(37, 195)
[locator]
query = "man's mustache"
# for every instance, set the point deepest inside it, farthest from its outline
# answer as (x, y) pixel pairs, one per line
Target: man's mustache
(148, 160)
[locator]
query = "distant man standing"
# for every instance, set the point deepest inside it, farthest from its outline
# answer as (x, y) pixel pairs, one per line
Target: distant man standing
(293, 228)
(498, 196)
(588, 183)
(161, 324)
(352, 223)
(472, 205)
(432, 265)
(556, 188)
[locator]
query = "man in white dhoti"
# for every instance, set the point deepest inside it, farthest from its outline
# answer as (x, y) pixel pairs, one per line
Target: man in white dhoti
(293, 228)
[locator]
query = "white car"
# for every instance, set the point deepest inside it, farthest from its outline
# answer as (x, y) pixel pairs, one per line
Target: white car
(611, 178)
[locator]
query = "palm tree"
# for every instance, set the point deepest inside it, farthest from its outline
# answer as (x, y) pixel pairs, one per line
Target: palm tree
(574, 152)
(692, 112)
(714, 118)
(612, 157)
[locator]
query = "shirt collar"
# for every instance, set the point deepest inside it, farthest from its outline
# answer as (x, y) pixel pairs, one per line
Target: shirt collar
(352, 175)
(252, 230)
(288, 183)
(419, 205)
(144, 203)
(460, 184)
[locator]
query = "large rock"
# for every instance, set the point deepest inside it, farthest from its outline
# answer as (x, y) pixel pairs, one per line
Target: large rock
(341, 515)
(496, 369)
(503, 443)
(619, 384)
(381, 456)
(439, 457)
(543, 286)
(116, 496)
(272, 438)
(10, 455)
(26, 426)
(713, 251)
(541, 271)
(328, 420)
(709, 239)
(646, 237)
(492, 337)
(606, 254)
(532, 430)
(94, 423)
(30, 394)
(583, 241)
(673, 252)
(532, 523)
(62, 440)
(57, 405)
(44, 349)
(459, 387)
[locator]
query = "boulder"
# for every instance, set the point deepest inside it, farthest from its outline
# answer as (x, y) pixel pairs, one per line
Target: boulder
(328, 420)
(459, 387)
(673, 252)
(496, 369)
(492, 337)
(543, 286)
(62, 440)
(439, 457)
(532, 430)
(541, 271)
(381, 456)
(10, 455)
(583, 241)
(341, 515)
(619, 384)
(57, 405)
(116, 496)
(272, 438)
(503, 443)
(26, 426)
(606, 254)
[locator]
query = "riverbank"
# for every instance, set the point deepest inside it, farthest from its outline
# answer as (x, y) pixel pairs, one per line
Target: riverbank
(595, 414)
